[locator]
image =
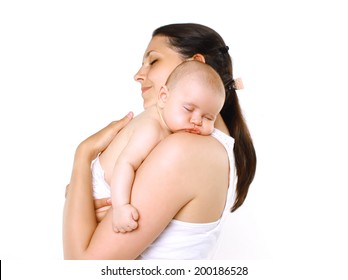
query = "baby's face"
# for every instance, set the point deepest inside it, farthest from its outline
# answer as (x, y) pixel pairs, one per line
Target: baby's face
(193, 108)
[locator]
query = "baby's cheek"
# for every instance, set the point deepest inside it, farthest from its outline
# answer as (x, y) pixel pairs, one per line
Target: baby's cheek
(208, 129)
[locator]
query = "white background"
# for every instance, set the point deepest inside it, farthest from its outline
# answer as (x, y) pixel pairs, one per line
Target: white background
(66, 70)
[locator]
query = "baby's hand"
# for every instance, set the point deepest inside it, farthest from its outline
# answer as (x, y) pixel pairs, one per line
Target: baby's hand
(124, 218)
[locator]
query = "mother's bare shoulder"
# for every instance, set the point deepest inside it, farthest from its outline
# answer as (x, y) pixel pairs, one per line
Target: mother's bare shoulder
(190, 145)
(189, 139)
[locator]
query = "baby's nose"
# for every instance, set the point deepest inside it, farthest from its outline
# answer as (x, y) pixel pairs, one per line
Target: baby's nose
(196, 120)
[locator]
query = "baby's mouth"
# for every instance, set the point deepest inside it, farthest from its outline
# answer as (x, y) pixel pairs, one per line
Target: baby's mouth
(193, 130)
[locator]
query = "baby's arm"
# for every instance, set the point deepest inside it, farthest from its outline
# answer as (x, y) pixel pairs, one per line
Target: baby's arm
(144, 138)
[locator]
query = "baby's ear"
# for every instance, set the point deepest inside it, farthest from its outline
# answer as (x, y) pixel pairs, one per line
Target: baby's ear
(163, 96)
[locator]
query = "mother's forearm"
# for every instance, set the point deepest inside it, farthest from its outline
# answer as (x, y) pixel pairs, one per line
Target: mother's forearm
(79, 221)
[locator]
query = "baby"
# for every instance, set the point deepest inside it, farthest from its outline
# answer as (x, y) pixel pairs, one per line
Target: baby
(189, 102)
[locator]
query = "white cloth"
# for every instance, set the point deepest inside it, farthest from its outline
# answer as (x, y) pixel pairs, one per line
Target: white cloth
(101, 188)
(181, 240)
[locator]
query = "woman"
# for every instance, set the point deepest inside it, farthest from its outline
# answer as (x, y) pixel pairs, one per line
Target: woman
(183, 185)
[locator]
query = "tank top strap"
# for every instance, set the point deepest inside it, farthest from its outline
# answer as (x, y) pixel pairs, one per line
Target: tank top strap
(228, 142)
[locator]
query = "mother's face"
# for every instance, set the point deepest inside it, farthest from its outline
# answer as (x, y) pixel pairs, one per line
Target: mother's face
(158, 62)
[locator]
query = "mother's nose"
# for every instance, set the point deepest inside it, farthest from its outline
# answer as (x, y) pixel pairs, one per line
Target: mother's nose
(140, 75)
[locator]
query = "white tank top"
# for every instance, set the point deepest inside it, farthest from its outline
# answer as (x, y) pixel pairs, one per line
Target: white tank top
(194, 241)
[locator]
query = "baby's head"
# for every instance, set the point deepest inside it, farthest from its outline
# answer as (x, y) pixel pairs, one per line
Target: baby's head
(192, 98)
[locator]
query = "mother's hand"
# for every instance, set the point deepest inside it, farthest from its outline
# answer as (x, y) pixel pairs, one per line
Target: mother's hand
(101, 207)
(99, 141)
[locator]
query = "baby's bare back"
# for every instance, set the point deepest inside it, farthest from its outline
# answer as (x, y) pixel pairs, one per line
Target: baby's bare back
(110, 155)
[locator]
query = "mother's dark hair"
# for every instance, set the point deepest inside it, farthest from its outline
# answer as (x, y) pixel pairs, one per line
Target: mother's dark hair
(189, 39)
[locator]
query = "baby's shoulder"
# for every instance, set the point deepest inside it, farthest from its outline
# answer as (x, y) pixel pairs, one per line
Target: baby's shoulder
(146, 128)
(145, 118)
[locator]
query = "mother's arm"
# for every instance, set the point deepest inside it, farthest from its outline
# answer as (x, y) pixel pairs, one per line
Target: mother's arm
(158, 194)
(79, 216)
(161, 188)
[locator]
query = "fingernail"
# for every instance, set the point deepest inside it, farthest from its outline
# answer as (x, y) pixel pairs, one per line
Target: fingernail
(108, 201)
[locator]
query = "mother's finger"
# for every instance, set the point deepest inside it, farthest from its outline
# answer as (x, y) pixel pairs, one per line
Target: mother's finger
(101, 202)
(98, 142)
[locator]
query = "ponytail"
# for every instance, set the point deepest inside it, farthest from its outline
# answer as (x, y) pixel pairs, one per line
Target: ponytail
(189, 39)
(244, 152)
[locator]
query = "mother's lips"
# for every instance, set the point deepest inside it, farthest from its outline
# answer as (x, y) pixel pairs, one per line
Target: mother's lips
(144, 89)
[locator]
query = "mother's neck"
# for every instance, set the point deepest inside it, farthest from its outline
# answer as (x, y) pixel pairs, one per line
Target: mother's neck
(220, 125)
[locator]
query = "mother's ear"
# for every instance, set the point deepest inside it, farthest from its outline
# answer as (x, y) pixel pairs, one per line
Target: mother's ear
(163, 96)
(198, 57)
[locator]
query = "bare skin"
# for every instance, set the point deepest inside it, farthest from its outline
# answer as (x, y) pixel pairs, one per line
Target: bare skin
(191, 105)
(185, 177)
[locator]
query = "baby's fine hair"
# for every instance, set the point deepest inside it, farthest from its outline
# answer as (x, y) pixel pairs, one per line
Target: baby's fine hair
(206, 75)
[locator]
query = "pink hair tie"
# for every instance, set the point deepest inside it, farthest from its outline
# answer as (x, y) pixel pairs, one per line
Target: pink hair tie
(238, 84)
